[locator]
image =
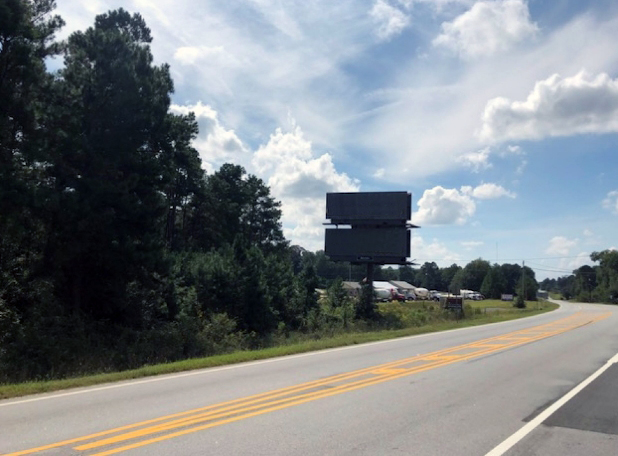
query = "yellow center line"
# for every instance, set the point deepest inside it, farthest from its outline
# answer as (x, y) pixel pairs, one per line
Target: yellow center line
(243, 401)
(308, 398)
(246, 407)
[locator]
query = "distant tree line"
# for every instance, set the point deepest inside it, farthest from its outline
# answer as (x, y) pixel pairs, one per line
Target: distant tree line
(491, 280)
(598, 283)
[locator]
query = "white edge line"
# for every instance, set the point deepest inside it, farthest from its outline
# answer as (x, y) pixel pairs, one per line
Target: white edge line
(506, 445)
(209, 370)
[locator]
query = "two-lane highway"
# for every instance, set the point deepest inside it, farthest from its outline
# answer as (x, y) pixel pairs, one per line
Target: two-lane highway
(461, 392)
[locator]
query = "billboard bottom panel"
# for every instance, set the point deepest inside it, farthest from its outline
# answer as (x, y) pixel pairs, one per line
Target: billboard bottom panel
(368, 245)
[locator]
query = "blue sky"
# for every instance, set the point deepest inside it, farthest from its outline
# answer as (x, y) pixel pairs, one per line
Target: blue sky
(501, 117)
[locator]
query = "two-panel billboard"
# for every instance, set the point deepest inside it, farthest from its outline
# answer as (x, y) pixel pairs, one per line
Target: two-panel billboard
(378, 229)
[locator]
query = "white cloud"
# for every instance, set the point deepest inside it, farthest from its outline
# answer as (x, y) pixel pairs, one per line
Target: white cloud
(560, 245)
(430, 114)
(442, 206)
(591, 239)
(555, 107)
(515, 150)
(215, 144)
(522, 166)
(477, 161)
(487, 28)
(446, 206)
(300, 180)
(391, 21)
(304, 57)
(491, 191)
(611, 202)
(189, 55)
(432, 251)
(576, 262)
(379, 174)
(470, 245)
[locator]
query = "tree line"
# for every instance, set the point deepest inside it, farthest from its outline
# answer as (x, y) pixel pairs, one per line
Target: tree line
(598, 283)
(491, 280)
(116, 249)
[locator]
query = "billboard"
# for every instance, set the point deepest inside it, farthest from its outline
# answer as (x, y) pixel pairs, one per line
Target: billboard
(369, 208)
(389, 245)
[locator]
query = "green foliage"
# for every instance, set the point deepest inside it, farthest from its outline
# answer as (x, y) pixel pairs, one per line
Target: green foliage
(512, 276)
(339, 306)
(407, 274)
(494, 283)
(597, 283)
(457, 281)
(429, 276)
(448, 274)
(365, 305)
(474, 273)
(520, 303)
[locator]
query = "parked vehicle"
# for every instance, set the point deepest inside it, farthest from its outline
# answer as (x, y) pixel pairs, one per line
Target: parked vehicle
(422, 293)
(410, 296)
(382, 294)
(396, 296)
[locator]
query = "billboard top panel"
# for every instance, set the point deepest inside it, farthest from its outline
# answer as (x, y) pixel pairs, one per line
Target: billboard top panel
(368, 207)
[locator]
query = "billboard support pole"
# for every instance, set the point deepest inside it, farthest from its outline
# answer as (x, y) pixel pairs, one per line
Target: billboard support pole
(370, 276)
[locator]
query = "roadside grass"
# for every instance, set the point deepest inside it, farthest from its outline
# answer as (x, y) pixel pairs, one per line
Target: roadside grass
(498, 304)
(484, 304)
(297, 346)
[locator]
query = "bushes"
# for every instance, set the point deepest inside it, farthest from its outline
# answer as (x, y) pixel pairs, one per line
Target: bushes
(519, 302)
(396, 315)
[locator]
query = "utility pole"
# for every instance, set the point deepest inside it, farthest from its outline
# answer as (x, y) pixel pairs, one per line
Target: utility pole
(523, 279)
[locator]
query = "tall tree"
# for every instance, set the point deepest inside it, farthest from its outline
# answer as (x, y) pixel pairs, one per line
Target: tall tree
(407, 274)
(242, 204)
(429, 276)
(512, 276)
(27, 30)
(457, 282)
(110, 111)
(531, 285)
(494, 283)
(607, 275)
(585, 282)
(448, 274)
(182, 178)
(26, 39)
(474, 273)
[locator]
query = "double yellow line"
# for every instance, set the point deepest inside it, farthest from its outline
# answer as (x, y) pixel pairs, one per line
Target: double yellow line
(116, 440)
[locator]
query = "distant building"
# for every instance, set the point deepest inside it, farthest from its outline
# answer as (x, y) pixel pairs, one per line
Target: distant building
(383, 285)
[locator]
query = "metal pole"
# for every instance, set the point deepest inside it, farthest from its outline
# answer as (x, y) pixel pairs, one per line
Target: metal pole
(368, 297)
(370, 276)
(523, 279)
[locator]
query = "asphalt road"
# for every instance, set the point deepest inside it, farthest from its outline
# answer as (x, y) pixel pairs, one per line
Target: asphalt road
(464, 392)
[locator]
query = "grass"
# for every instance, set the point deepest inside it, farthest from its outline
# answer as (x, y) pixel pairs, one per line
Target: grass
(22, 389)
